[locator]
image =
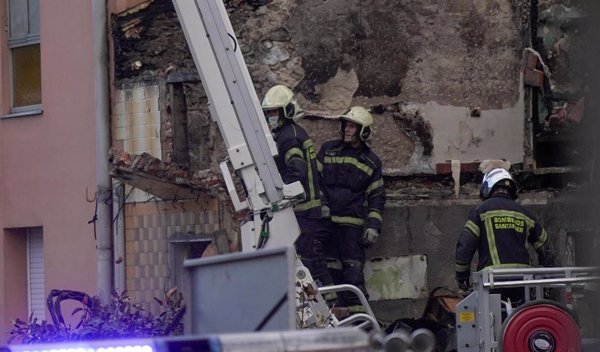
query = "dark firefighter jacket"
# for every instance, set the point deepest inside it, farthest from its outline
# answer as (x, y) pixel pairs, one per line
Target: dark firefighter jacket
(499, 229)
(352, 184)
(297, 162)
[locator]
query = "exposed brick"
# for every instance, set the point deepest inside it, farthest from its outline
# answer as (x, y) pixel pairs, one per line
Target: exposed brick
(532, 61)
(132, 271)
(131, 247)
(446, 168)
(533, 77)
(130, 222)
(140, 208)
(131, 260)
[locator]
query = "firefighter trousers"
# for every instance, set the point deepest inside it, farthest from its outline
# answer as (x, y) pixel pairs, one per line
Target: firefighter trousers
(309, 247)
(345, 253)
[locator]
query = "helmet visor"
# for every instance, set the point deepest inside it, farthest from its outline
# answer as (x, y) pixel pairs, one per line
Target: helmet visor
(273, 112)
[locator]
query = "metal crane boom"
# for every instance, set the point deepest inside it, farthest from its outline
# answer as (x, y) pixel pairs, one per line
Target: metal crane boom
(235, 107)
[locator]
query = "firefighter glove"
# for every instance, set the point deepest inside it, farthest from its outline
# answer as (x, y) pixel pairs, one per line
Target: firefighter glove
(325, 211)
(464, 284)
(370, 237)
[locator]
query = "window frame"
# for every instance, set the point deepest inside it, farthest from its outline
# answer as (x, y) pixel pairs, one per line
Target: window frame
(30, 38)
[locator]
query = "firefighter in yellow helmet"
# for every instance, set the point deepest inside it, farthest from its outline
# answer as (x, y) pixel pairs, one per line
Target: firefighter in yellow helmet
(353, 186)
(297, 161)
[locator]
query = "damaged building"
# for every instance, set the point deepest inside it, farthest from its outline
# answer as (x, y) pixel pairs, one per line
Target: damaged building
(450, 84)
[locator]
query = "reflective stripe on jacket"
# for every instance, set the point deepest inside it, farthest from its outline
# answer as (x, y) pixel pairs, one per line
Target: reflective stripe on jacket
(499, 229)
(353, 184)
(297, 161)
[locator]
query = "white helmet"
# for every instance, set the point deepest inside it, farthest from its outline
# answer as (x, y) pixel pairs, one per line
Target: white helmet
(361, 117)
(281, 97)
(495, 178)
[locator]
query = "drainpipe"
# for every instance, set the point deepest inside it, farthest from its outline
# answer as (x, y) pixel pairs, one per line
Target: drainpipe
(104, 193)
(119, 234)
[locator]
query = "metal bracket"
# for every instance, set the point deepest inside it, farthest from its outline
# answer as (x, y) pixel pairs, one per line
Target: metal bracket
(235, 199)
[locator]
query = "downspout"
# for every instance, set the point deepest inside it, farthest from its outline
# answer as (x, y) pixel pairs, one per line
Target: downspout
(119, 234)
(103, 187)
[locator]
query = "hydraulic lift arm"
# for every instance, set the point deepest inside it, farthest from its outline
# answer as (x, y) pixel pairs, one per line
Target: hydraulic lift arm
(234, 105)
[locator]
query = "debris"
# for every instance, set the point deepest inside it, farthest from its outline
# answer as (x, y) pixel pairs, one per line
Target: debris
(147, 166)
(564, 115)
(532, 75)
(136, 65)
(476, 111)
(489, 164)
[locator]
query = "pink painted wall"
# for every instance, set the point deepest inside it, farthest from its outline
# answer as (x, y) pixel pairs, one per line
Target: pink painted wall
(47, 162)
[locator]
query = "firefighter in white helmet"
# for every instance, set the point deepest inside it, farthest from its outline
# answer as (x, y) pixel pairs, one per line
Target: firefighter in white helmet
(498, 229)
(353, 186)
(297, 161)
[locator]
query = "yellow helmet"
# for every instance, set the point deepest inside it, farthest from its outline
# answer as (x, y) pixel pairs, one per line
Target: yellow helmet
(361, 117)
(281, 97)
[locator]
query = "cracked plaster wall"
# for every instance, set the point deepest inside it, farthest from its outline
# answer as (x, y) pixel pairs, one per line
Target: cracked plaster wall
(443, 59)
(440, 59)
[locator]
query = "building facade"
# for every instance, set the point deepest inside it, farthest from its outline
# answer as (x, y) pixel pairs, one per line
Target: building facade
(52, 97)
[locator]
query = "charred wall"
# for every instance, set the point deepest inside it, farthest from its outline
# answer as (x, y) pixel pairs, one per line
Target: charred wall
(150, 48)
(434, 60)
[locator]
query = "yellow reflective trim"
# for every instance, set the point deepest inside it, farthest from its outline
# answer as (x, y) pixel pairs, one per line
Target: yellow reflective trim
(461, 267)
(347, 220)
(349, 160)
(541, 241)
(508, 213)
(330, 296)
(491, 241)
(293, 151)
(357, 309)
(470, 225)
(319, 166)
(310, 153)
(307, 205)
(375, 214)
(374, 185)
(334, 264)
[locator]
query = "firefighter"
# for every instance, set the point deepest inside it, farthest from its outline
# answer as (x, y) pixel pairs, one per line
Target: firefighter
(353, 187)
(498, 230)
(297, 161)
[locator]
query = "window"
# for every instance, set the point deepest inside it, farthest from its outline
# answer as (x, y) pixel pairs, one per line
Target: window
(35, 273)
(24, 55)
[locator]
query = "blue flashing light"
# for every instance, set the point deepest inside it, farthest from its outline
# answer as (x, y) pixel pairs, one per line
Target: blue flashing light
(89, 346)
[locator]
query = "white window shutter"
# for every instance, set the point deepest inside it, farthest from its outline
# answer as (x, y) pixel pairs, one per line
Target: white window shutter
(35, 261)
(19, 18)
